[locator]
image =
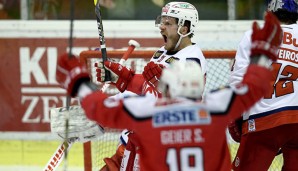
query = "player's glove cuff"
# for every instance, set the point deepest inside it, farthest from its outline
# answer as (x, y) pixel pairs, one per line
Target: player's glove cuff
(264, 48)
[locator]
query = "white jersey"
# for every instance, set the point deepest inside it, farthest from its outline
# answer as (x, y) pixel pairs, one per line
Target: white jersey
(281, 105)
(162, 56)
(192, 52)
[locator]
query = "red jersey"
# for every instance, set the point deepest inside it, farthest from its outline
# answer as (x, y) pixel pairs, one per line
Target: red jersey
(180, 134)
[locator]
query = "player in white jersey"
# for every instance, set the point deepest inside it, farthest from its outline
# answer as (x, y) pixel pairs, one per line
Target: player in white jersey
(179, 132)
(269, 125)
(177, 24)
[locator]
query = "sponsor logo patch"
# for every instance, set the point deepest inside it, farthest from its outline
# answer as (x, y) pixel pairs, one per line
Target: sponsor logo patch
(171, 59)
(251, 125)
(181, 117)
(157, 54)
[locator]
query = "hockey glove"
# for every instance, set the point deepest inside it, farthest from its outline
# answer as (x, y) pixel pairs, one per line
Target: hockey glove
(120, 75)
(152, 72)
(266, 40)
(70, 73)
(235, 129)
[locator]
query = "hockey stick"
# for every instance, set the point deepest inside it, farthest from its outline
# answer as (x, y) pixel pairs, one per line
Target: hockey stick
(132, 45)
(68, 98)
(101, 38)
(58, 155)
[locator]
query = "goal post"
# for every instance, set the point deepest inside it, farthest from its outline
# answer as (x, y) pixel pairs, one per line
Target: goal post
(219, 64)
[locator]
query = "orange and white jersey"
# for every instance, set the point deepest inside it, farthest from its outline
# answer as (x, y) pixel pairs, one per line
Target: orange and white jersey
(280, 106)
(192, 52)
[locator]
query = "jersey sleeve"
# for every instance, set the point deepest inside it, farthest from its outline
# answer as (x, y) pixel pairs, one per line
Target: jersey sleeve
(117, 113)
(241, 59)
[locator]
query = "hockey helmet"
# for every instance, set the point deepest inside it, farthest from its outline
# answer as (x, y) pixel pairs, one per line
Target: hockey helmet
(182, 11)
(288, 5)
(182, 79)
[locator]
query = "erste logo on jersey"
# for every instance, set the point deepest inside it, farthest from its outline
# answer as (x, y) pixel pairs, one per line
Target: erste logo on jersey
(182, 116)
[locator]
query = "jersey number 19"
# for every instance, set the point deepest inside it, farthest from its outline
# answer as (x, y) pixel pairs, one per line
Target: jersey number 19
(191, 159)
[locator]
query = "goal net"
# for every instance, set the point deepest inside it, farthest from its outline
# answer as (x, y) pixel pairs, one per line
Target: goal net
(218, 64)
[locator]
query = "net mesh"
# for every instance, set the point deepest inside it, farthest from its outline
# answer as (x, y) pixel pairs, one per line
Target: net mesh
(104, 146)
(218, 71)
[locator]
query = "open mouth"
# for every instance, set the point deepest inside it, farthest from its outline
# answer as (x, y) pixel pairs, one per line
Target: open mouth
(165, 38)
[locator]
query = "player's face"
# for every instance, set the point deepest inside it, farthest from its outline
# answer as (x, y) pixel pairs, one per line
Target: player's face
(168, 29)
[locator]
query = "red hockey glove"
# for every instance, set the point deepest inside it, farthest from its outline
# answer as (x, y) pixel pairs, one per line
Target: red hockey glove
(266, 40)
(121, 76)
(152, 73)
(235, 129)
(70, 73)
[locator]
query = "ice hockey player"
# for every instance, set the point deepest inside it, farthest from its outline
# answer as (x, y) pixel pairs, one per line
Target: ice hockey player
(267, 127)
(177, 23)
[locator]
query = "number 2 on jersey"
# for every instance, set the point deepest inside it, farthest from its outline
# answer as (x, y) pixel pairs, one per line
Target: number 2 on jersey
(190, 159)
(284, 84)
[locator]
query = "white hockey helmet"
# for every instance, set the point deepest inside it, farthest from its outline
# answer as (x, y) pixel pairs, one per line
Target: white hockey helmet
(182, 11)
(182, 79)
(288, 5)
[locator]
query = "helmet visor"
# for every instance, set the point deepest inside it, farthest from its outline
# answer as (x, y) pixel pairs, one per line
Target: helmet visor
(165, 20)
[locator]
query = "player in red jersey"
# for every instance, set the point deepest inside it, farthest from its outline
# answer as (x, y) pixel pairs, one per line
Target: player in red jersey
(178, 131)
(267, 126)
